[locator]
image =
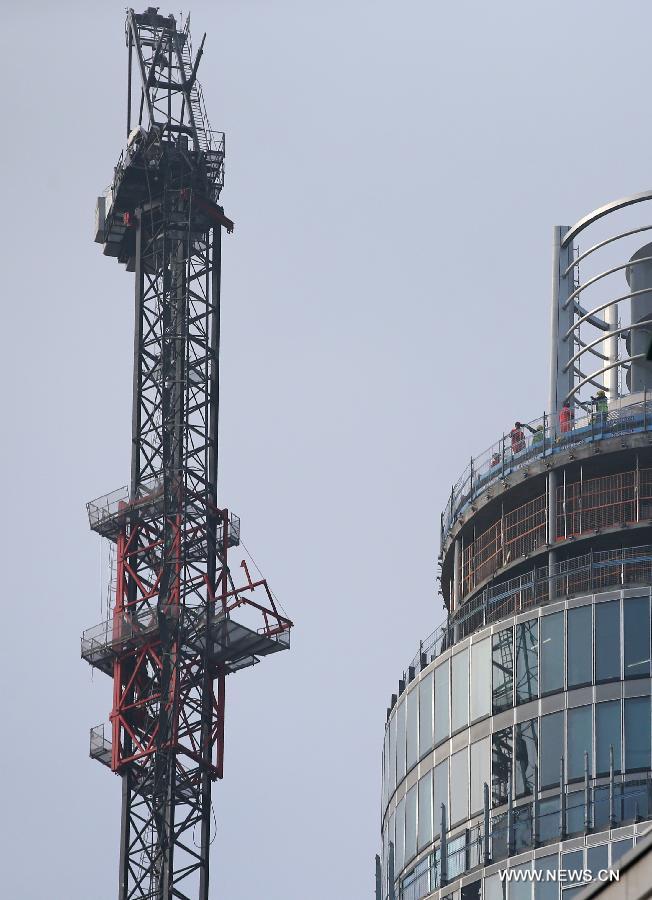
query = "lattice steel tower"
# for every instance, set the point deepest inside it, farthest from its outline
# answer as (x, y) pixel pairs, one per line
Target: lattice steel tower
(170, 639)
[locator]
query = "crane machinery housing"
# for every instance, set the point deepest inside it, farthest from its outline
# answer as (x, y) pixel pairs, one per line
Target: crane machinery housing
(179, 622)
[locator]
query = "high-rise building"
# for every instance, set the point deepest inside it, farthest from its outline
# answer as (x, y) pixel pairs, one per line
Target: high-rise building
(518, 740)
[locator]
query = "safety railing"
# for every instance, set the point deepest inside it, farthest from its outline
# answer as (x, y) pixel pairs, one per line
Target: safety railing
(100, 746)
(591, 807)
(535, 440)
(589, 573)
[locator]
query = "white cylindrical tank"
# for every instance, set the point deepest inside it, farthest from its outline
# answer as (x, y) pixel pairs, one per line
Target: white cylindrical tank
(639, 278)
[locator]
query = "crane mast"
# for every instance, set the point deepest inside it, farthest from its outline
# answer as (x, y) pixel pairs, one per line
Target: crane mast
(180, 621)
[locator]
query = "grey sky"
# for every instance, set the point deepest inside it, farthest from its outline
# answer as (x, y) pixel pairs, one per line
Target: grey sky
(394, 171)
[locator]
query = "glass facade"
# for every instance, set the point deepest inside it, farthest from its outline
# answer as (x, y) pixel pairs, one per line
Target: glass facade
(592, 643)
(579, 650)
(636, 637)
(426, 701)
(503, 670)
(552, 653)
(526, 749)
(527, 661)
(480, 679)
(460, 691)
(607, 641)
(442, 711)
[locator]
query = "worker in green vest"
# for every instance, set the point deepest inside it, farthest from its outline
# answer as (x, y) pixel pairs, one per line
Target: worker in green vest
(601, 408)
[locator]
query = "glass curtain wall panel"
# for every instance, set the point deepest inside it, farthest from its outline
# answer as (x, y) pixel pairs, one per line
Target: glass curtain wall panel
(551, 650)
(503, 670)
(580, 646)
(527, 661)
(636, 632)
(460, 691)
(607, 641)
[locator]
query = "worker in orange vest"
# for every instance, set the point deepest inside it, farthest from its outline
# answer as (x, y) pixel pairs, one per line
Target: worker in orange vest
(517, 438)
(565, 418)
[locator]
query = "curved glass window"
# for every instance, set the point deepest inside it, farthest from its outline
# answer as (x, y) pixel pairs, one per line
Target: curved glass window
(480, 679)
(607, 640)
(544, 889)
(503, 670)
(424, 831)
(607, 734)
(460, 691)
(480, 773)
(580, 741)
(392, 755)
(411, 823)
(501, 765)
(425, 714)
(386, 768)
(637, 733)
(580, 646)
(636, 627)
(527, 661)
(521, 890)
(442, 712)
(399, 843)
(495, 888)
(526, 746)
(412, 704)
(440, 792)
(459, 787)
(551, 748)
(551, 651)
(400, 741)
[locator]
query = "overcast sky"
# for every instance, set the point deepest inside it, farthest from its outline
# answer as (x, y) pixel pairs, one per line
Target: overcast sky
(394, 171)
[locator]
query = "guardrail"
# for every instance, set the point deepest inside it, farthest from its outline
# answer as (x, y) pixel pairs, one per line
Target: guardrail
(590, 806)
(538, 439)
(589, 573)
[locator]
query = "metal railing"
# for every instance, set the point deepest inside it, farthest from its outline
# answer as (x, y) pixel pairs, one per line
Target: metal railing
(539, 438)
(592, 572)
(100, 746)
(588, 807)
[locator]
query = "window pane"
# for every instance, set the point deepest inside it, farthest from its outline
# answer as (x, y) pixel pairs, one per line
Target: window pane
(460, 693)
(551, 748)
(425, 810)
(412, 734)
(480, 679)
(392, 753)
(552, 653)
(411, 823)
(636, 613)
(607, 733)
(607, 640)
(503, 669)
(440, 795)
(549, 819)
(580, 646)
(527, 661)
(480, 769)
(400, 741)
(442, 716)
(399, 846)
(459, 787)
(521, 890)
(472, 891)
(495, 888)
(425, 714)
(580, 739)
(546, 890)
(501, 764)
(637, 733)
(526, 745)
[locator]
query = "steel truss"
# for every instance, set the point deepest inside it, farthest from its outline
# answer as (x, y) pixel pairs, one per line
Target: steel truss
(172, 640)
